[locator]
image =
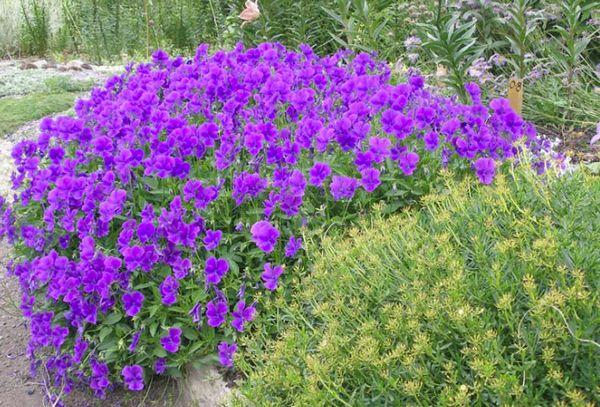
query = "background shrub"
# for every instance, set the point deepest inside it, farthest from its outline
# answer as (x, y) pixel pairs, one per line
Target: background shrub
(486, 296)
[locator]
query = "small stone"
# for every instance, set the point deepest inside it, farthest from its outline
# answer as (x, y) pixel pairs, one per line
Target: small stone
(30, 391)
(27, 65)
(87, 66)
(50, 65)
(74, 68)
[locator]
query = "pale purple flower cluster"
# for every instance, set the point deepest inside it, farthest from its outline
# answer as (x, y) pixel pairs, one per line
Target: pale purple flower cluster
(178, 189)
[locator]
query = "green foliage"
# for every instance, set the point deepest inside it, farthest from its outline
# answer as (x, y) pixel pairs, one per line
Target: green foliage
(452, 42)
(35, 33)
(487, 296)
(16, 111)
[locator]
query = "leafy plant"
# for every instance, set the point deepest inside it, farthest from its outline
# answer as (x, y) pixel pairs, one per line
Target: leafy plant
(150, 227)
(452, 43)
(486, 296)
(35, 34)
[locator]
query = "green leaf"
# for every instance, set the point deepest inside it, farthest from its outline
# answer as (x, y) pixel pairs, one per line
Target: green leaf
(113, 318)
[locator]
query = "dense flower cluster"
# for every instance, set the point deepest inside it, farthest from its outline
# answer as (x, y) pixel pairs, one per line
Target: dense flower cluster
(147, 224)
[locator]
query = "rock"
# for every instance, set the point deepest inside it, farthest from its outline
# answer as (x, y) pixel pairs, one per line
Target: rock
(30, 391)
(86, 66)
(75, 68)
(62, 68)
(203, 387)
(49, 65)
(40, 64)
(27, 65)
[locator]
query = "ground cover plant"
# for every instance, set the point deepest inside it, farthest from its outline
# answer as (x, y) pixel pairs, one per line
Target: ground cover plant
(485, 296)
(149, 227)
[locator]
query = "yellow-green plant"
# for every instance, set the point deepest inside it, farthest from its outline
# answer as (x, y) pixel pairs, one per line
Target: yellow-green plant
(487, 296)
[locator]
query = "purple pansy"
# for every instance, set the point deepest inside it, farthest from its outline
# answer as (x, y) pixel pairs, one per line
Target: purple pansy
(132, 302)
(133, 377)
(212, 239)
(242, 314)
(171, 341)
(226, 352)
(292, 246)
(270, 276)
(216, 310)
(265, 235)
(485, 169)
(169, 289)
(215, 269)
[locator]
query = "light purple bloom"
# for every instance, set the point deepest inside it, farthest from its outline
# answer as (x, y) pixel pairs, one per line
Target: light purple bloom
(216, 310)
(292, 246)
(215, 269)
(226, 352)
(485, 169)
(242, 314)
(343, 187)
(270, 276)
(133, 376)
(172, 340)
(168, 290)
(132, 302)
(212, 239)
(408, 162)
(265, 235)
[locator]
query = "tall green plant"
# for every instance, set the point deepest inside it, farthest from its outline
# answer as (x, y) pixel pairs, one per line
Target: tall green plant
(35, 32)
(451, 41)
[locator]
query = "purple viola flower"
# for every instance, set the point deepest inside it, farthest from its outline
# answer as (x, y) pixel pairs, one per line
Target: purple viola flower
(215, 269)
(169, 289)
(134, 341)
(242, 314)
(196, 313)
(343, 187)
(216, 310)
(292, 246)
(319, 173)
(408, 162)
(270, 276)
(370, 179)
(226, 352)
(160, 365)
(485, 169)
(146, 231)
(265, 235)
(132, 302)
(99, 377)
(212, 239)
(172, 340)
(432, 140)
(133, 377)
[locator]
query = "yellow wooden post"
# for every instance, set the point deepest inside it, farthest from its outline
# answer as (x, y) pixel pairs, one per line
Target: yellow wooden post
(515, 94)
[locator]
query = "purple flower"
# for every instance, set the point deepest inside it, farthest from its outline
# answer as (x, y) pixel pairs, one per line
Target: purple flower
(216, 310)
(343, 187)
(215, 269)
(370, 179)
(226, 352)
(432, 140)
(264, 235)
(99, 377)
(133, 376)
(319, 173)
(212, 239)
(134, 341)
(160, 365)
(242, 314)
(172, 340)
(292, 246)
(485, 169)
(408, 162)
(132, 303)
(168, 290)
(270, 276)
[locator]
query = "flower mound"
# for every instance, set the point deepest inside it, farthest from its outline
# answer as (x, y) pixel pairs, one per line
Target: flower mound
(176, 194)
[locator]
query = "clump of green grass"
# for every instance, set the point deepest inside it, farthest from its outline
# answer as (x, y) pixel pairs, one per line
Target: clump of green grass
(486, 296)
(16, 111)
